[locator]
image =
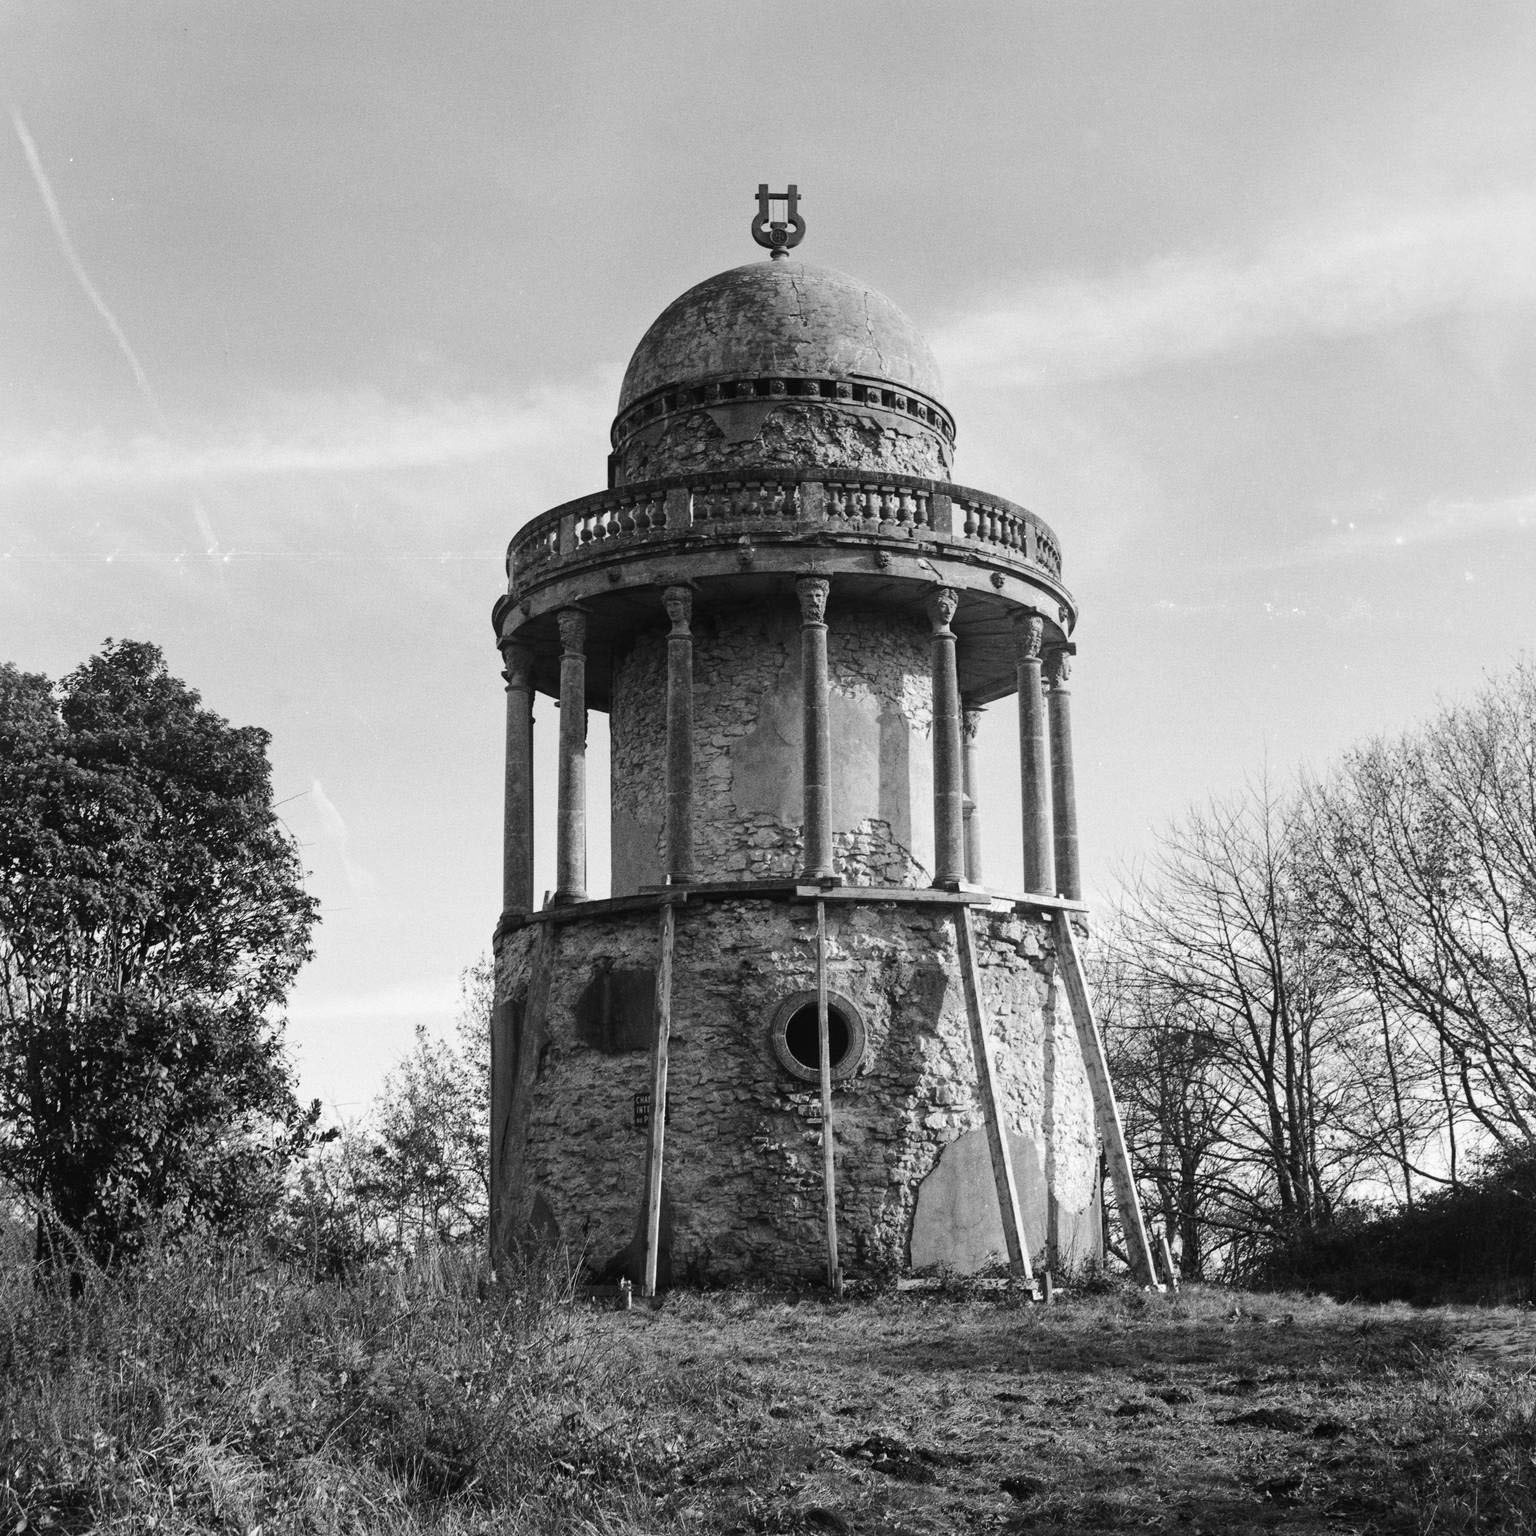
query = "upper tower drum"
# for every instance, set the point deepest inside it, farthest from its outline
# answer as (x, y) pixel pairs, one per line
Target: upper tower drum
(781, 363)
(780, 453)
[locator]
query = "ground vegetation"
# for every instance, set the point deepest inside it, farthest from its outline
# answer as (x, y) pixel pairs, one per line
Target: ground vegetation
(209, 1389)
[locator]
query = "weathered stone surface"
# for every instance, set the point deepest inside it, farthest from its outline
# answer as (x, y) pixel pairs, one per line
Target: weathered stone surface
(743, 1152)
(782, 319)
(784, 437)
(747, 749)
(780, 363)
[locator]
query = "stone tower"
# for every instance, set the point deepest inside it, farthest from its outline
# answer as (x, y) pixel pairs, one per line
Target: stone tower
(792, 616)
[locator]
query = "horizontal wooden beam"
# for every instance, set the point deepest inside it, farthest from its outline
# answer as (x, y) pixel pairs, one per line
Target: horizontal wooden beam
(653, 898)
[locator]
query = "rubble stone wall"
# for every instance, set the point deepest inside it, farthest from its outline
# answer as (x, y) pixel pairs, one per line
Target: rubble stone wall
(748, 748)
(743, 1159)
(781, 436)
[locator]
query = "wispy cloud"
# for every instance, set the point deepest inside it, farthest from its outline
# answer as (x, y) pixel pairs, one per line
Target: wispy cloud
(335, 837)
(313, 435)
(1473, 256)
(1371, 530)
(99, 304)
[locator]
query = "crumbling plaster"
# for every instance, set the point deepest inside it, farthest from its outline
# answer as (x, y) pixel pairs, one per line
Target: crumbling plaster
(748, 735)
(784, 435)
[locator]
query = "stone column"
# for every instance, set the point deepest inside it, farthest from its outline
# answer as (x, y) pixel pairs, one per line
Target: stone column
(818, 864)
(517, 812)
(679, 605)
(1035, 764)
(970, 719)
(948, 788)
(571, 826)
(1058, 665)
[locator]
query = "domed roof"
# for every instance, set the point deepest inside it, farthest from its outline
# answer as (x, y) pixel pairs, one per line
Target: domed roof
(780, 318)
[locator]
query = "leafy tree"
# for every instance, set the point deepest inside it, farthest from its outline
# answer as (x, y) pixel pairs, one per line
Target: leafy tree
(427, 1177)
(152, 917)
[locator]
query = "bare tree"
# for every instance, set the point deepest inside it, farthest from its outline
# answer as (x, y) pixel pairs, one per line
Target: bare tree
(1175, 1099)
(1424, 875)
(1236, 1026)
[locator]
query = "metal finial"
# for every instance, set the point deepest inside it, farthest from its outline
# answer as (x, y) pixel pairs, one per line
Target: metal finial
(779, 235)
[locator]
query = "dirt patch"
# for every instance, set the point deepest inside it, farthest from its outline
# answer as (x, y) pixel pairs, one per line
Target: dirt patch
(904, 1416)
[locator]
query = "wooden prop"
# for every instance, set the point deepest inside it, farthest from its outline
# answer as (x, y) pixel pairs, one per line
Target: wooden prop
(828, 1144)
(1168, 1269)
(1138, 1247)
(997, 1135)
(658, 1102)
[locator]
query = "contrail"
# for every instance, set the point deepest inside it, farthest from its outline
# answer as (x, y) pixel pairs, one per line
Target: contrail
(99, 304)
(61, 229)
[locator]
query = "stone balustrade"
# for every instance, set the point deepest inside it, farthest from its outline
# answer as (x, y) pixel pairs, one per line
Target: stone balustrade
(907, 509)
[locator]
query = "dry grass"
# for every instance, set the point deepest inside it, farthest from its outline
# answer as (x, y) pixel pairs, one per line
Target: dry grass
(209, 1393)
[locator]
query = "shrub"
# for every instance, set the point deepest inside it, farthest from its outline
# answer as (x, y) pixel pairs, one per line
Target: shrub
(1472, 1243)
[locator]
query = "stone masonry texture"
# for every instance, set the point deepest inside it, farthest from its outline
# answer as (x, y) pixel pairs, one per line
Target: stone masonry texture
(747, 748)
(743, 1172)
(788, 436)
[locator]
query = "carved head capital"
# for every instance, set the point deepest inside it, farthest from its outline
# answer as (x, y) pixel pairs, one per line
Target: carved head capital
(1058, 664)
(941, 609)
(678, 601)
(1031, 634)
(573, 631)
(813, 592)
(517, 665)
(970, 718)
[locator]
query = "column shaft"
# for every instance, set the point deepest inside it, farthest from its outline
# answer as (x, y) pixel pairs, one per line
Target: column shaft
(517, 805)
(571, 828)
(679, 604)
(1035, 766)
(970, 719)
(819, 864)
(1063, 788)
(948, 787)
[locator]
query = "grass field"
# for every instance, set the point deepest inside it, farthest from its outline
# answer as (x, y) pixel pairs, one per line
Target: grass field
(209, 1392)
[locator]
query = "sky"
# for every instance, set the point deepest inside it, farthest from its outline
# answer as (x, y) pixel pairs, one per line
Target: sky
(306, 307)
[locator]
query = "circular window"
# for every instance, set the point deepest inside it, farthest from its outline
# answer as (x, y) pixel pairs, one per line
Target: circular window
(796, 1040)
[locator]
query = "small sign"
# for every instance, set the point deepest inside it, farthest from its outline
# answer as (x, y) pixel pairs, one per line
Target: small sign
(643, 1111)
